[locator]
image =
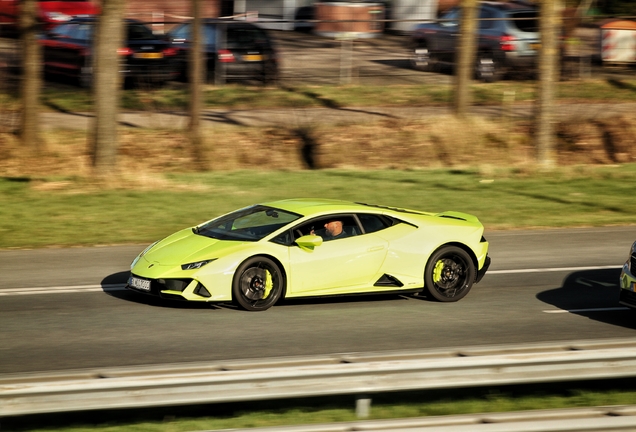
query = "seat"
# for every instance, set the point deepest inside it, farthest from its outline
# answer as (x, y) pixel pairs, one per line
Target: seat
(351, 230)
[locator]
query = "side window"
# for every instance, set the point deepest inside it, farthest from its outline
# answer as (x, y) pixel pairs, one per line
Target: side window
(84, 32)
(182, 33)
(63, 31)
(328, 227)
(451, 19)
(372, 223)
(484, 21)
(284, 238)
(209, 34)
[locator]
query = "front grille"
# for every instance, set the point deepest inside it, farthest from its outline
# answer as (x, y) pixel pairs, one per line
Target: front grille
(632, 263)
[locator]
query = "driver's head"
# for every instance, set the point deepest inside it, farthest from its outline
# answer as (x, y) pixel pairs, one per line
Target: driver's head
(333, 227)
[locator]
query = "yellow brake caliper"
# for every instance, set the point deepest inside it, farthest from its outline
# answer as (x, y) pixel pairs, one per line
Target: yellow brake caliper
(437, 271)
(268, 284)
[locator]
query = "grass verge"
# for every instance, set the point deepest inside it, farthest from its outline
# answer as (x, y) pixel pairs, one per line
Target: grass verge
(174, 96)
(59, 211)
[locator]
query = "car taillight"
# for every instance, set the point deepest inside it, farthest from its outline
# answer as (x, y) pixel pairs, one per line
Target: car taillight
(506, 43)
(168, 52)
(124, 51)
(226, 56)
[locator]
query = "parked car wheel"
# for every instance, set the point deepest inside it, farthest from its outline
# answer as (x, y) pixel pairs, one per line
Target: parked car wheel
(449, 274)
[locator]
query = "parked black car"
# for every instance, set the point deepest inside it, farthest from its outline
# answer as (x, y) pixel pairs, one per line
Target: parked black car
(68, 48)
(233, 50)
(508, 39)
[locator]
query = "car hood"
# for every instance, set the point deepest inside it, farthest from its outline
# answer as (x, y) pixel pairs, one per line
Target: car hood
(185, 247)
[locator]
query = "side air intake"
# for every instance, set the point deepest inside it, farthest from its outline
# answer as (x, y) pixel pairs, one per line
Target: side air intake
(388, 280)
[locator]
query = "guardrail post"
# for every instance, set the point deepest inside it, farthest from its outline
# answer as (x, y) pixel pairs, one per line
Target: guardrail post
(363, 406)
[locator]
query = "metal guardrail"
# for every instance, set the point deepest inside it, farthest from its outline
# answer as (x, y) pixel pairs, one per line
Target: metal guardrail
(361, 374)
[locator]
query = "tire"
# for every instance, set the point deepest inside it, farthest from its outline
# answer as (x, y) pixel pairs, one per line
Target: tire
(258, 284)
(421, 59)
(487, 68)
(449, 274)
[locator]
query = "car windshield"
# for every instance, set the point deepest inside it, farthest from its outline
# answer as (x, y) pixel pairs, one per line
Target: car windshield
(248, 224)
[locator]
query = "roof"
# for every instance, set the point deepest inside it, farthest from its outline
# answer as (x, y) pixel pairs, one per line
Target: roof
(314, 206)
(309, 206)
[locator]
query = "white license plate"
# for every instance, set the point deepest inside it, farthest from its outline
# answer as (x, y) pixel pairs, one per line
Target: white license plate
(141, 284)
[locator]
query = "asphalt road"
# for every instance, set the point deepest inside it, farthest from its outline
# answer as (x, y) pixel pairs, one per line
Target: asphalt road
(548, 285)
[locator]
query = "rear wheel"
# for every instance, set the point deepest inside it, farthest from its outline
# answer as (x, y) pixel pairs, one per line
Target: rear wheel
(449, 274)
(258, 284)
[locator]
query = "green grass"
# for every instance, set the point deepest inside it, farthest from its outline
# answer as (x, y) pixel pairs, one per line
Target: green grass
(175, 97)
(65, 212)
(333, 409)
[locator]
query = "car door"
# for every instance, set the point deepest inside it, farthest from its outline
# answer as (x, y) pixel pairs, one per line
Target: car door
(59, 49)
(338, 266)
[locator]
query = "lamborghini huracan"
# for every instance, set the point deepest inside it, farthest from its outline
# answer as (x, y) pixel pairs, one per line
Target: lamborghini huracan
(260, 254)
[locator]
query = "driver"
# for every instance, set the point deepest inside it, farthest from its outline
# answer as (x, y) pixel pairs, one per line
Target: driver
(333, 230)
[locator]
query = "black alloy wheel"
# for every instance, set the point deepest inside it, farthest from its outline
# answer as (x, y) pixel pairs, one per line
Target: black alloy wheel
(449, 274)
(258, 284)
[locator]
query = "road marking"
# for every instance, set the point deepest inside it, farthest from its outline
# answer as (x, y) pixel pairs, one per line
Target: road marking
(554, 269)
(557, 311)
(61, 289)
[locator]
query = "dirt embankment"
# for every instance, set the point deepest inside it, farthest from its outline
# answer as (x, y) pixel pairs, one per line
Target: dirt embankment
(391, 143)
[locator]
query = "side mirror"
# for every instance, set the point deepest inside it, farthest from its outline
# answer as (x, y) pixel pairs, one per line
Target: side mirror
(309, 242)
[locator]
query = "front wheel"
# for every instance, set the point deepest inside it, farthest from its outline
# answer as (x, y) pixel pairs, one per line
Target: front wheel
(258, 284)
(449, 274)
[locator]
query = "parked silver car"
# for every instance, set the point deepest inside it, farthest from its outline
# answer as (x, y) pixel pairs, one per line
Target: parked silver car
(508, 39)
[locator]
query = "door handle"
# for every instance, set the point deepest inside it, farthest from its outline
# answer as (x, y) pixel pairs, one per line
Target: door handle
(375, 248)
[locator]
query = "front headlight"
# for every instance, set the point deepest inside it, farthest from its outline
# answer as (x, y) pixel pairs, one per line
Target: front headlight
(195, 265)
(142, 254)
(631, 260)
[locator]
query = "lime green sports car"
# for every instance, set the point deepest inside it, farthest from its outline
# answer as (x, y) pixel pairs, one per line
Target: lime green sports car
(315, 247)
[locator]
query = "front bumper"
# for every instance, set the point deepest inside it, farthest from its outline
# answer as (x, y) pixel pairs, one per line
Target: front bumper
(628, 288)
(185, 290)
(482, 271)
